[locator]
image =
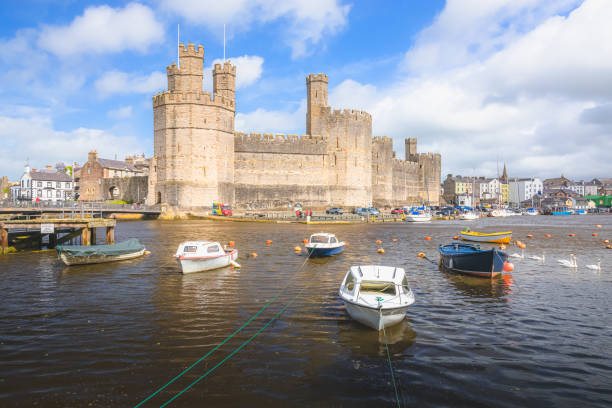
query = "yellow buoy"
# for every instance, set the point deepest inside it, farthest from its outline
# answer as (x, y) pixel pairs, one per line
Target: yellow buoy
(606, 241)
(253, 255)
(297, 249)
(421, 255)
(598, 226)
(394, 239)
(381, 251)
(147, 252)
(529, 236)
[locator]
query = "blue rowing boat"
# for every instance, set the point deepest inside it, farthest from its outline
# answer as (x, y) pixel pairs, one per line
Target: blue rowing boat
(323, 244)
(469, 259)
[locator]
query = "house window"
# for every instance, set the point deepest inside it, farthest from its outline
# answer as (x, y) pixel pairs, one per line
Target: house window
(39, 193)
(58, 194)
(22, 183)
(49, 194)
(39, 184)
(67, 185)
(58, 184)
(49, 184)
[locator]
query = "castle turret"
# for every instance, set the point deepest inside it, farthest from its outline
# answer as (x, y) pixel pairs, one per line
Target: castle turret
(316, 88)
(224, 81)
(187, 77)
(411, 149)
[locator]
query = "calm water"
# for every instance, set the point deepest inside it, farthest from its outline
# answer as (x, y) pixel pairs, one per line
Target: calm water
(110, 335)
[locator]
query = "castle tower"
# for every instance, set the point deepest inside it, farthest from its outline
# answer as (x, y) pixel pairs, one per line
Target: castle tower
(194, 135)
(316, 89)
(411, 149)
(224, 80)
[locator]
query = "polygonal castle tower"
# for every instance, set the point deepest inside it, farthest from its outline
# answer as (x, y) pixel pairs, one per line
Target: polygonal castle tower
(194, 134)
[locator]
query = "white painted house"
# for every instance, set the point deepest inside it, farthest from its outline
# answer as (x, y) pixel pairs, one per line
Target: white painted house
(49, 184)
(523, 189)
(488, 188)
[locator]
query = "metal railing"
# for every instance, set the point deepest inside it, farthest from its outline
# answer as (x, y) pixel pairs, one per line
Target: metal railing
(76, 205)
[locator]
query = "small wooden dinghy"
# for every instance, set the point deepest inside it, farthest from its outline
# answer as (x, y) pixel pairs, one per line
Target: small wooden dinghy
(198, 256)
(469, 259)
(376, 296)
(493, 237)
(324, 244)
(93, 254)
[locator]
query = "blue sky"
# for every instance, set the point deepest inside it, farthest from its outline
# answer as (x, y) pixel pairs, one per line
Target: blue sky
(526, 82)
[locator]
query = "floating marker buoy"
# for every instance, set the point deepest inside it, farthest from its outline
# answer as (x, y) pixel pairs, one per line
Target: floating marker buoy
(304, 241)
(268, 242)
(381, 251)
(231, 243)
(572, 235)
(394, 239)
(455, 237)
(502, 247)
(522, 246)
(421, 255)
(609, 246)
(605, 241)
(235, 264)
(598, 226)
(346, 243)
(298, 249)
(547, 235)
(147, 252)
(253, 255)
(595, 234)
(529, 236)
(378, 241)
(508, 267)
(427, 238)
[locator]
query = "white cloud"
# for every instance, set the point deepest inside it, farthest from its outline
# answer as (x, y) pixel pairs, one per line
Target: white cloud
(33, 137)
(534, 101)
(248, 70)
(123, 112)
(117, 82)
(272, 121)
(104, 29)
(308, 21)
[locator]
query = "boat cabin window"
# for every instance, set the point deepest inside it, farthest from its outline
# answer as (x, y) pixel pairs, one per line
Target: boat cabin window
(214, 248)
(349, 285)
(190, 248)
(333, 240)
(405, 285)
(387, 288)
(319, 239)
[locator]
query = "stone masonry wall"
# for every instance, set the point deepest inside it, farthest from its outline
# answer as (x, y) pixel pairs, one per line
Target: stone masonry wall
(131, 189)
(382, 171)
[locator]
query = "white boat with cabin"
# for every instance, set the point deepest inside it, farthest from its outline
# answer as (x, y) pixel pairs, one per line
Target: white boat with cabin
(198, 256)
(469, 216)
(420, 214)
(376, 296)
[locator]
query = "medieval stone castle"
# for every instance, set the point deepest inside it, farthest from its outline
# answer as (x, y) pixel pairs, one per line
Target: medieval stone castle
(200, 158)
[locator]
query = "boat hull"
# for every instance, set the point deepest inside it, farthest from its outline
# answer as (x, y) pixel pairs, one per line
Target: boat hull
(322, 252)
(418, 218)
(468, 216)
(96, 259)
(484, 264)
(373, 318)
(191, 265)
(501, 238)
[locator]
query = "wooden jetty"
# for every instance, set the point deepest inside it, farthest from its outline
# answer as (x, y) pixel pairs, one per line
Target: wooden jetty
(53, 227)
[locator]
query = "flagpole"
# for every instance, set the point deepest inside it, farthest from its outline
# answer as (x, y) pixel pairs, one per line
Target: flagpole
(178, 45)
(223, 43)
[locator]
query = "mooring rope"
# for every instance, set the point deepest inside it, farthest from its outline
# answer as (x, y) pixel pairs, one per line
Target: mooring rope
(382, 322)
(227, 338)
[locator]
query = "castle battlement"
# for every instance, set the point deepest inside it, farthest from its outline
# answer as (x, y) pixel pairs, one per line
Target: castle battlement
(382, 139)
(317, 77)
(279, 143)
(225, 68)
(200, 98)
(403, 165)
(350, 114)
(191, 50)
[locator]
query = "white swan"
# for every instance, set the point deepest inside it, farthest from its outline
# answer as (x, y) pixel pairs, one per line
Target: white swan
(595, 267)
(572, 263)
(538, 258)
(520, 256)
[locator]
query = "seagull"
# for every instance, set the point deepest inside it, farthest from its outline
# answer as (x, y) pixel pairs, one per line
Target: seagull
(595, 267)
(520, 256)
(568, 264)
(538, 258)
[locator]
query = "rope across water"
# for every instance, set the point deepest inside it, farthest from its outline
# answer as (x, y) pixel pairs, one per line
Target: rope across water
(382, 322)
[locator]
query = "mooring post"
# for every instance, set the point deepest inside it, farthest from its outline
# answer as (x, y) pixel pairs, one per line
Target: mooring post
(85, 236)
(110, 235)
(52, 240)
(93, 236)
(4, 240)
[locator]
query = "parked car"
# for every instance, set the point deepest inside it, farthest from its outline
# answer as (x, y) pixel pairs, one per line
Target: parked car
(221, 209)
(361, 211)
(373, 211)
(335, 210)
(397, 211)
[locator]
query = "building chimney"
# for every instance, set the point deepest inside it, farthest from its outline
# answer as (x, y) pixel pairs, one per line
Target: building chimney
(92, 157)
(48, 166)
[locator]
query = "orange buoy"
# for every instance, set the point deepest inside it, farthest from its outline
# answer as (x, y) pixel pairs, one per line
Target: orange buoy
(529, 236)
(508, 267)
(502, 247)
(421, 255)
(522, 246)
(572, 235)
(598, 226)
(606, 241)
(378, 241)
(609, 246)
(268, 242)
(595, 234)
(147, 252)
(427, 238)
(346, 243)
(380, 251)
(231, 243)
(298, 249)
(304, 241)
(547, 235)
(455, 237)
(394, 239)
(253, 255)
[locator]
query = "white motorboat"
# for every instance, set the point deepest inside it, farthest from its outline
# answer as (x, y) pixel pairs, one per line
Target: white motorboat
(470, 215)
(324, 244)
(198, 256)
(532, 211)
(500, 212)
(417, 215)
(376, 296)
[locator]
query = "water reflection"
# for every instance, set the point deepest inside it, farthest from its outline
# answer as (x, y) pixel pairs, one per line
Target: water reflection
(496, 288)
